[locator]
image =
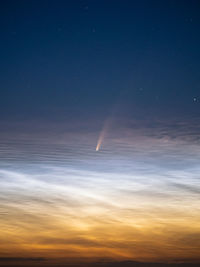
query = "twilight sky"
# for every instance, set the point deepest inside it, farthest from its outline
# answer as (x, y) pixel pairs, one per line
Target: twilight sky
(100, 130)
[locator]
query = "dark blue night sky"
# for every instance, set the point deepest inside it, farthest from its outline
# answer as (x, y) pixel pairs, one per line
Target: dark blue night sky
(63, 58)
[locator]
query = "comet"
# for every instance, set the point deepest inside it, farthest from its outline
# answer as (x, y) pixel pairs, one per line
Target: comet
(100, 140)
(102, 134)
(108, 122)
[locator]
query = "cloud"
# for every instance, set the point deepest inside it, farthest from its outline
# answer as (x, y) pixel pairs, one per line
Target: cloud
(21, 259)
(135, 199)
(194, 189)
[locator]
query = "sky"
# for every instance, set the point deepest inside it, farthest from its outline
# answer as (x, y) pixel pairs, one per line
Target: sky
(99, 131)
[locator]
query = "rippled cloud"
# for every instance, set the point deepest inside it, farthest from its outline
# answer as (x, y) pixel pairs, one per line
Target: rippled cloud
(137, 198)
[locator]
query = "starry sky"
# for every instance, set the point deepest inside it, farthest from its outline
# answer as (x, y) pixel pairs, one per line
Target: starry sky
(99, 131)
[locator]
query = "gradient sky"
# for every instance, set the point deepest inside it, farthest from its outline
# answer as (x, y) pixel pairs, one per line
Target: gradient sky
(126, 74)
